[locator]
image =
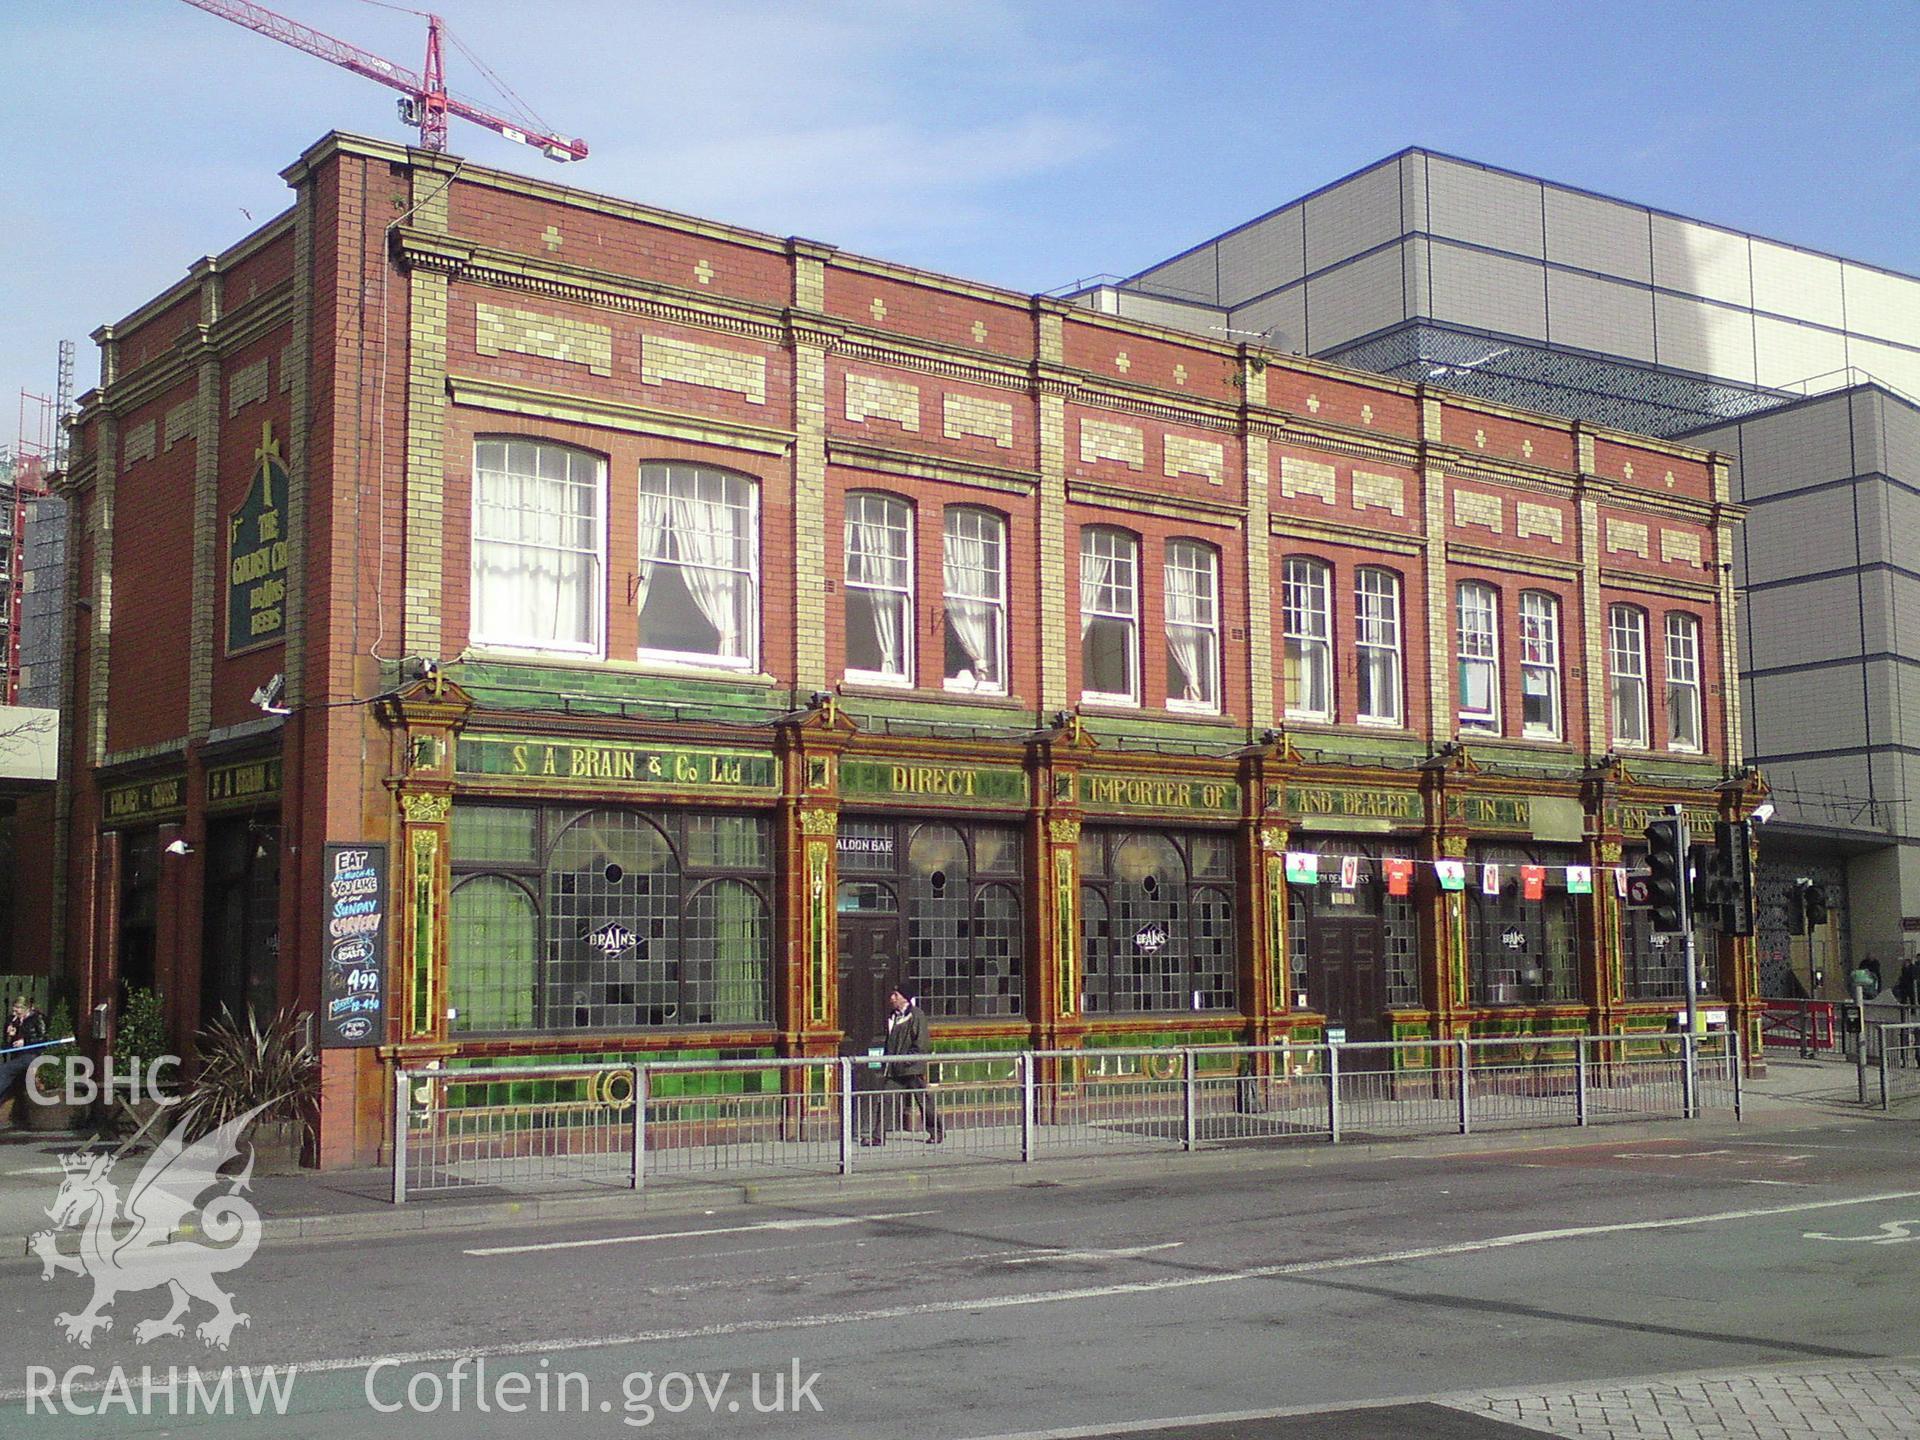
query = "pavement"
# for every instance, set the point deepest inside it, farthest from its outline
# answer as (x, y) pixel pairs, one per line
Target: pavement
(1700, 1281)
(345, 1204)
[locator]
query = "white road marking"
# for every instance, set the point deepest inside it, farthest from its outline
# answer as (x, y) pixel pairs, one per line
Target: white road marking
(821, 1222)
(1124, 1253)
(1893, 1232)
(984, 1303)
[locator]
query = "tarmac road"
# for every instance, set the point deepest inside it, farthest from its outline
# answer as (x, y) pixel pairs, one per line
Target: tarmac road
(1535, 1271)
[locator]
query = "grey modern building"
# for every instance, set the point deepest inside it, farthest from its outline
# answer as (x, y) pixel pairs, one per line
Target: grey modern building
(1446, 272)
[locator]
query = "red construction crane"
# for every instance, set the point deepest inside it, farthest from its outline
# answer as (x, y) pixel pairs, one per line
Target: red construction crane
(426, 102)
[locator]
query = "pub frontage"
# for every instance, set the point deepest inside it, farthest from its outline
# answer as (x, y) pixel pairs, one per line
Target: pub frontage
(660, 638)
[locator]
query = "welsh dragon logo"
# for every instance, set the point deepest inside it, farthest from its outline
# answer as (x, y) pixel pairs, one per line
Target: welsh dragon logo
(131, 1245)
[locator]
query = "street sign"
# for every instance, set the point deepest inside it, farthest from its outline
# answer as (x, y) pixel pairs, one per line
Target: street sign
(1640, 890)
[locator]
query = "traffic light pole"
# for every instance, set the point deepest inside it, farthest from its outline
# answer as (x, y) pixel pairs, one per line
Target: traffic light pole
(1689, 1083)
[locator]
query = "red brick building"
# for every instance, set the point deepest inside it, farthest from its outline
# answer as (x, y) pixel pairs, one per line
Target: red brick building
(681, 633)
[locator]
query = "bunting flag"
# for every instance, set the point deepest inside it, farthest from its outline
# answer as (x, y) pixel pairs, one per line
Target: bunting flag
(1620, 882)
(1579, 879)
(1533, 882)
(1303, 867)
(1399, 876)
(1489, 879)
(1452, 873)
(1349, 871)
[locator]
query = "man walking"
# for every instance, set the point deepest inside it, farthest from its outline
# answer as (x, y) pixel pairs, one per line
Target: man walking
(905, 1080)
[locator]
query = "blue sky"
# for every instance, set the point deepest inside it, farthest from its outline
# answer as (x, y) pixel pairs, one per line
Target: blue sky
(1026, 144)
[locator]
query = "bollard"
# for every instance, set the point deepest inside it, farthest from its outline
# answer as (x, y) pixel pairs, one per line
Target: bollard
(399, 1136)
(639, 1175)
(846, 1116)
(1466, 1087)
(1580, 1080)
(1027, 1099)
(1333, 1094)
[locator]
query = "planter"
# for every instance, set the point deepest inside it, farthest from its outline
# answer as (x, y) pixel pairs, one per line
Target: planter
(132, 1117)
(276, 1146)
(49, 1117)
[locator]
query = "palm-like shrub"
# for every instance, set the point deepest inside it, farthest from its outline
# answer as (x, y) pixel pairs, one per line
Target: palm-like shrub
(245, 1065)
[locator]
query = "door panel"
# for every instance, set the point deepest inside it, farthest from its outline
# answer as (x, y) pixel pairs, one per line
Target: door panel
(1344, 974)
(870, 964)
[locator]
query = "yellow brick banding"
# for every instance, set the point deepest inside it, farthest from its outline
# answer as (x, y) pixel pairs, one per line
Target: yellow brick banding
(1053, 542)
(500, 331)
(1259, 579)
(876, 397)
(1471, 507)
(1682, 546)
(426, 479)
(1307, 479)
(1379, 492)
(1538, 521)
(662, 359)
(246, 386)
(972, 415)
(1627, 537)
(202, 629)
(1185, 455)
(137, 444)
(1100, 440)
(181, 420)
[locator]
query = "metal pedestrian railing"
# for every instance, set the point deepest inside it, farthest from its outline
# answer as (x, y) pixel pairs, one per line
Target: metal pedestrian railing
(1898, 1047)
(519, 1128)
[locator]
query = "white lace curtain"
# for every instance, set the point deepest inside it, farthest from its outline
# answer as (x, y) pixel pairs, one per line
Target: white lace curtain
(1096, 570)
(536, 570)
(968, 577)
(698, 537)
(875, 566)
(1187, 618)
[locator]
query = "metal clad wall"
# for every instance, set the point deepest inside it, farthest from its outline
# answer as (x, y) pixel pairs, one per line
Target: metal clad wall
(1589, 313)
(1353, 217)
(1484, 207)
(1489, 292)
(1355, 299)
(1605, 236)
(1263, 256)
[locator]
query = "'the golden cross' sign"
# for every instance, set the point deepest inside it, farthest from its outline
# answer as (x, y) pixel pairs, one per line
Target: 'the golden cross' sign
(257, 553)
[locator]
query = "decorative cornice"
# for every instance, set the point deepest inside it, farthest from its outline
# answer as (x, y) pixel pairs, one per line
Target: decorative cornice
(504, 398)
(1702, 592)
(1153, 502)
(1287, 428)
(919, 465)
(178, 364)
(581, 285)
(1488, 558)
(1287, 526)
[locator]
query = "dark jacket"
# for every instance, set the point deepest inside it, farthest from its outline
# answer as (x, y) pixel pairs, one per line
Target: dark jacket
(907, 1035)
(29, 1029)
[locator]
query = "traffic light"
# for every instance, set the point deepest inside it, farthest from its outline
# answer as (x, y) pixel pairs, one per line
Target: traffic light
(1816, 903)
(1733, 876)
(1667, 864)
(1797, 907)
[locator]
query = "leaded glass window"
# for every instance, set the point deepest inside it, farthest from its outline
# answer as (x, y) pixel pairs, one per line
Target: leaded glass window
(1157, 939)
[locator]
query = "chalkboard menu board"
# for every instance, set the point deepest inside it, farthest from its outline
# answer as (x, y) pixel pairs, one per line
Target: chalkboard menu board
(353, 1005)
